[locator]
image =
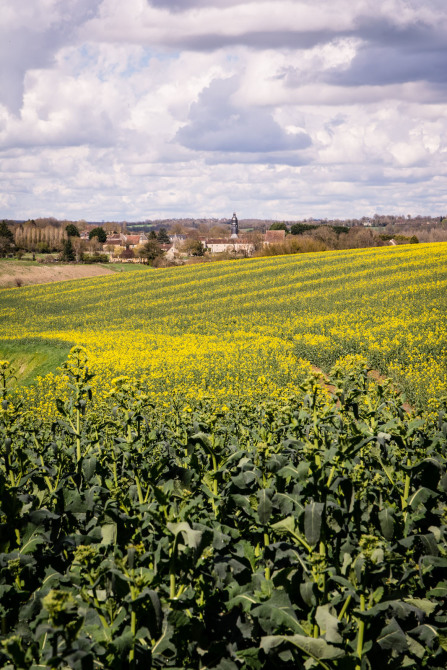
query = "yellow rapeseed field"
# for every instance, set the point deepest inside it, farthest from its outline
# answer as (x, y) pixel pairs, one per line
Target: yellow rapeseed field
(253, 327)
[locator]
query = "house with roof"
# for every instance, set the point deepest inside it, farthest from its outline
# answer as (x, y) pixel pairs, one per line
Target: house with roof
(274, 236)
(134, 240)
(219, 245)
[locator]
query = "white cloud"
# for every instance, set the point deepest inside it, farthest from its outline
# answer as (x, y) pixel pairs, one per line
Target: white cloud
(276, 108)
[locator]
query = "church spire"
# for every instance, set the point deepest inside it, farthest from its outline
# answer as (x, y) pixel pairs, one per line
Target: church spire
(234, 226)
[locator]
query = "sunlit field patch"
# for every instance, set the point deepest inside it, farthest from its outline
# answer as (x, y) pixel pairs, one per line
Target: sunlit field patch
(251, 327)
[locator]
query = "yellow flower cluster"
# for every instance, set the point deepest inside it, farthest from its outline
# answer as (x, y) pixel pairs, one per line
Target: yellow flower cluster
(252, 327)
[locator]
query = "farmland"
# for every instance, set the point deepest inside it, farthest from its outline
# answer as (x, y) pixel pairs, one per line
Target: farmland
(22, 273)
(252, 327)
(185, 493)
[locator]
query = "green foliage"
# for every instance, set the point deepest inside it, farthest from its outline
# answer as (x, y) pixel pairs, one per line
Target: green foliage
(6, 239)
(72, 230)
(68, 253)
(95, 258)
(300, 228)
(308, 532)
(163, 237)
(98, 232)
(340, 230)
(151, 250)
(279, 225)
(194, 247)
(33, 356)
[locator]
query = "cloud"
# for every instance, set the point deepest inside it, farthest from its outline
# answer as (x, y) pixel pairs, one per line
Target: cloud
(217, 124)
(31, 33)
(185, 5)
(277, 108)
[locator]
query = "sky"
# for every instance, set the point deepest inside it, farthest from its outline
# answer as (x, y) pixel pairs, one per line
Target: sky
(276, 109)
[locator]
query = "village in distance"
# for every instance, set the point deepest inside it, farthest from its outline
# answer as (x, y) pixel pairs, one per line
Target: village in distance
(168, 242)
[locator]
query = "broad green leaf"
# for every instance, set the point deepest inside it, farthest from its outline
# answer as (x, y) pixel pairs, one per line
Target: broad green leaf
(313, 514)
(393, 637)
(308, 593)
(386, 523)
(440, 590)
(226, 664)
(328, 624)
(443, 641)
(420, 497)
(314, 647)
(31, 539)
(423, 604)
(286, 525)
(264, 507)
(191, 537)
(426, 633)
(244, 600)
(89, 468)
(415, 647)
(109, 533)
(277, 613)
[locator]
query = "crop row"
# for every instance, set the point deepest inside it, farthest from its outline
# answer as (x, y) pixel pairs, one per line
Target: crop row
(253, 327)
(308, 531)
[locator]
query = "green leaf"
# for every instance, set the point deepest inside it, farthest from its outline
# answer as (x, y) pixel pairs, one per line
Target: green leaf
(314, 647)
(386, 523)
(443, 641)
(31, 539)
(308, 593)
(286, 525)
(109, 533)
(89, 468)
(393, 637)
(420, 497)
(225, 664)
(191, 537)
(277, 613)
(440, 590)
(313, 514)
(243, 600)
(415, 648)
(328, 624)
(427, 606)
(264, 507)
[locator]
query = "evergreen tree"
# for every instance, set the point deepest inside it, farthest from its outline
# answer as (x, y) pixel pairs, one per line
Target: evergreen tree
(163, 236)
(279, 226)
(68, 253)
(72, 230)
(151, 250)
(98, 232)
(6, 239)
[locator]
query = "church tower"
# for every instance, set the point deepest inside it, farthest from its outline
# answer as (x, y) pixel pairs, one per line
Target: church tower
(234, 226)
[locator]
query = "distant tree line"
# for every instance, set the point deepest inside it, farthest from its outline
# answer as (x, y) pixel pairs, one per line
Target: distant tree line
(305, 238)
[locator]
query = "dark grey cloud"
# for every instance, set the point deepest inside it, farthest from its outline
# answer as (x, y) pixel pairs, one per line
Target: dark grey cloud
(261, 39)
(31, 47)
(217, 124)
(378, 66)
(392, 52)
(184, 5)
(289, 158)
